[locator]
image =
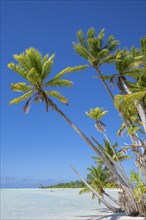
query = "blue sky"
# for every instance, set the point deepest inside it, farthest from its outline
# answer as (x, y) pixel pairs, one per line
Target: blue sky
(38, 147)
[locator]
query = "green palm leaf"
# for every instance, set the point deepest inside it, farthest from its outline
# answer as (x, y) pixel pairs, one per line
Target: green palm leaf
(70, 69)
(91, 33)
(83, 52)
(85, 190)
(81, 38)
(34, 77)
(135, 73)
(47, 67)
(57, 95)
(58, 82)
(130, 100)
(45, 58)
(18, 69)
(34, 58)
(23, 61)
(103, 53)
(21, 98)
(20, 87)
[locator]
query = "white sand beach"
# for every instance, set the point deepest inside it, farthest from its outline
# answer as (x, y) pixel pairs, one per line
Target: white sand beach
(55, 204)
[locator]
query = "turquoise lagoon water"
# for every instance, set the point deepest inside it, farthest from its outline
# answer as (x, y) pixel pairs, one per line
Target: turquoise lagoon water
(43, 204)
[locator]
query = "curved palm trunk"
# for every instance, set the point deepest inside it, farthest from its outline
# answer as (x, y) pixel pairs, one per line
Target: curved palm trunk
(112, 208)
(105, 160)
(112, 97)
(104, 82)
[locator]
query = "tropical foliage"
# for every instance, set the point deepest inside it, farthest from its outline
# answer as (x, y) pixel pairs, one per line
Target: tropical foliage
(35, 69)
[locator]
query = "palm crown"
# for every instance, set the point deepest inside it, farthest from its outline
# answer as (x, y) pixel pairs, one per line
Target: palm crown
(35, 69)
(97, 114)
(94, 49)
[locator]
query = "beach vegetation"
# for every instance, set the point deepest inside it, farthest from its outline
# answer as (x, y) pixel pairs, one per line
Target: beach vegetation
(72, 184)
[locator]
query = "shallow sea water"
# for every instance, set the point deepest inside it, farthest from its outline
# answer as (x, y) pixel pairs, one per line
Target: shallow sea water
(43, 204)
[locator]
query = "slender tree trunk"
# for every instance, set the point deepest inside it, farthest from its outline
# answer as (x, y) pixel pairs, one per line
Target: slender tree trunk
(112, 208)
(105, 160)
(104, 82)
(112, 97)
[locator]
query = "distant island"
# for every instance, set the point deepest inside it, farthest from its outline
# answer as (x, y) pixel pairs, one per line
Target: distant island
(75, 184)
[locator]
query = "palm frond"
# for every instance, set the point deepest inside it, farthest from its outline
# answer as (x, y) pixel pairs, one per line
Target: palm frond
(113, 45)
(21, 98)
(17, 68)
(124, 102)
(70, 69)
(103, 53)
(59, 82)
(22, 60)
(91, 33)
(34, 77)
(85, 190)
(34, 57)
(107, 60)
(45, 58)
(81, 38)
(135, 73)
(57, 95)
(47, 67)
(20, 87)
(83, 52)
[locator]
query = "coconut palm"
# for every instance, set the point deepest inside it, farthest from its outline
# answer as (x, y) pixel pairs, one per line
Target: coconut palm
(95, 51)
(100, 198)
(35, 69)
(99, 178)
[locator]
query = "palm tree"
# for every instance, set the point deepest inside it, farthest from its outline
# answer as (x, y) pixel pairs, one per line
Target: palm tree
(35, 69)
(97, 53)
(99, 178)
(96, 193)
